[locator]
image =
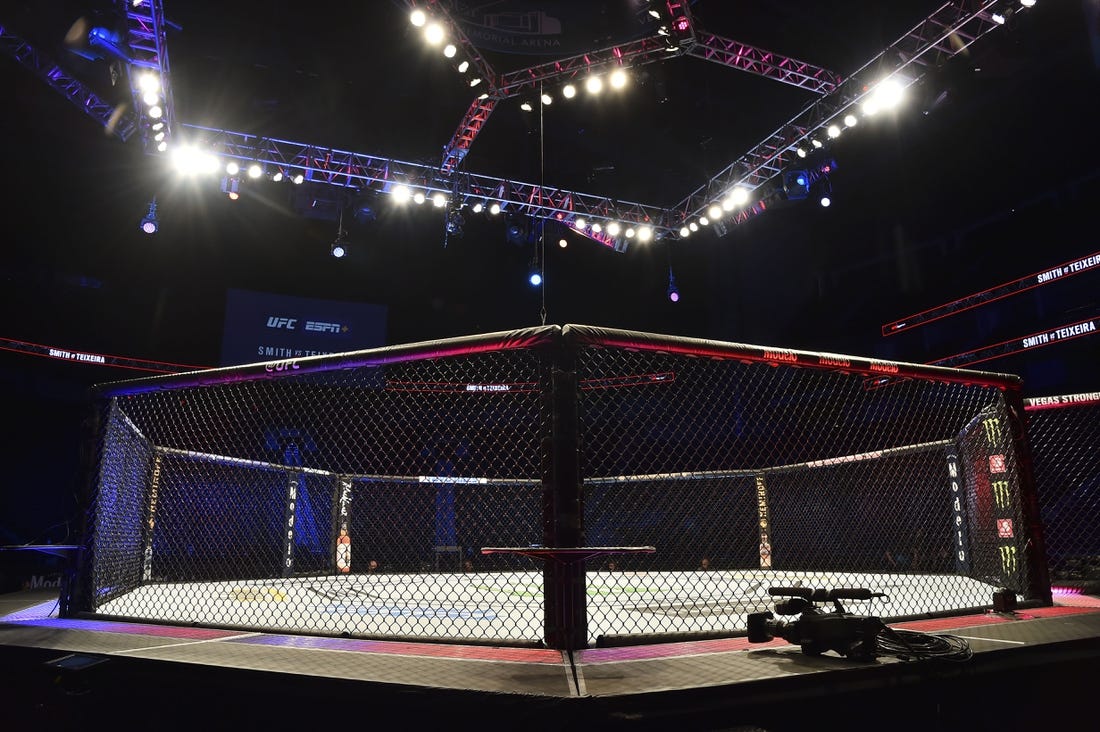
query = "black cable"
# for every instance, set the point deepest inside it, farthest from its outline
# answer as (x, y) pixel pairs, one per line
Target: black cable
(912, 645)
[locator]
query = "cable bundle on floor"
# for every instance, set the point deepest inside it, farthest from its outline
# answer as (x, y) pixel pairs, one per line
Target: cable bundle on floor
(912, 645)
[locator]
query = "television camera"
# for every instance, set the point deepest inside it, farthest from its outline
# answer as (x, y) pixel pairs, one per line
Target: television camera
(816, 630)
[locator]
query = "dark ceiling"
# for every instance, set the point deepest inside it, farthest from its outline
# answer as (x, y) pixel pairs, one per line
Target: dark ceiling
(356, 76)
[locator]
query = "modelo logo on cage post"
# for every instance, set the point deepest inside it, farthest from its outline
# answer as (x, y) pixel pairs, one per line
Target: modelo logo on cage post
(762, 517)
(960, 533)
(343, 539)
(154, 492)
(291, 504)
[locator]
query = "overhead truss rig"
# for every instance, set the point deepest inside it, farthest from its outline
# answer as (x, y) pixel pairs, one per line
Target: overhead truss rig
(949, 30)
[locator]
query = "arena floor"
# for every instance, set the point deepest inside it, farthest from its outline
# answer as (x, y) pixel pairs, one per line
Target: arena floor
(508, 606)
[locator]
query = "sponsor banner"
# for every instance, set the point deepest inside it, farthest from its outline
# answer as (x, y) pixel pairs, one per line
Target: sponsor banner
(262, 327)
(1061, 400)
(961, 526)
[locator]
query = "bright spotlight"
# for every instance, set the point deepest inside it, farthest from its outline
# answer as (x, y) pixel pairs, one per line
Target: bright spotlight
(629, 232)
(338, 249)
(434, 33)
(580, 223)
(162, 146)
(401, 194)
(693, 226)
(850, 120)
(645, 233)
(613, 228)
(547, 99)
(418, 18)
(569, 91)
(597, 228)
(255, 171)
(278, 176)
(158, 126)
(801, 152)
(159, 136)
(475, 81)
(232, 168)
(535, 279)
(450, 50)
(714, 212)
(298, 179)
(594, 85)
(494, 209)
(739, 195)
(563, 243)
(155, 112)
(817, 143)
(1027, 3)
(618, 79)
(703, 221)
(833, 132)
(419, 197)
(150, 98)
(463, 66)
(149, 83)
(188, 160)
(526, 106)
(826, 201)
(439, 200)
(886, 94)
(478, 207)
(685, 231)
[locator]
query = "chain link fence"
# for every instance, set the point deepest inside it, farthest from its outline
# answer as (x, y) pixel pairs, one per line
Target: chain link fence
(430, 491)
(1065, 437)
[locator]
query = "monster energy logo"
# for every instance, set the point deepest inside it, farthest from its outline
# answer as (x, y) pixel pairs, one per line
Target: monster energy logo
(1008, 559)
(992, 427)
(1000, 493)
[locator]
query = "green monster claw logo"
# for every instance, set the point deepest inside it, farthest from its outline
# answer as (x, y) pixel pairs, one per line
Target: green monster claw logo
(1000, 493)
(992, 427)
(1008, 559)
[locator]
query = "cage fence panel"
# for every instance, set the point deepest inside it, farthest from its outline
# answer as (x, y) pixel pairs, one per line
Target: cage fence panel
(1065, 438)
(750, 473)
(336, 499)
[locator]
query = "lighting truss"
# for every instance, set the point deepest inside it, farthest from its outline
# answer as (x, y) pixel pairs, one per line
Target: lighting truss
(118, 122)
(146, 36)
(951, 29)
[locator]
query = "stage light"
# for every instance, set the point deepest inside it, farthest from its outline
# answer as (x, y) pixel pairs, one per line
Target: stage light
(478, 207)
(580, 223)
(232, 168)
(1027, 3)
(655, 13)
(535, 279)
(162, 146)
(645, 233)
(887, 93)
(278, 176)
(450, 50)
(685, 232)
(233, 195)
(526, 106)
(796, 184)
(850, 120)
(150, 223)
(800, 152)
(563, 243)
(298, 179)
(693, 226)
(826, 201)
(597, 228)
(739, 195)
(255, 171)
(547, 99)
(484, 95)
(159, 136)
(833, 132)
(434, 34)
(613, 228)
(401, 194)
(569, 91)
(817, 143)
(703, 221)
(158, 126)
(190, 161)
(475, 81)
(673, 291)
(439, 200)
(618, 79)
(419, 197)
(150, 98)
(462, 67)
(418, 18)
(155, 112)
(629, 232)
(594, 85)
(338, 249)
(494, 209)
(715, 211)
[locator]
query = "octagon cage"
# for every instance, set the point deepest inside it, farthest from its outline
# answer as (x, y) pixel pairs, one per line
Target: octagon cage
(558, 486)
